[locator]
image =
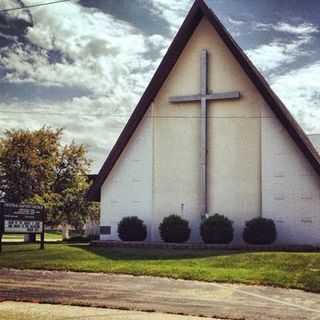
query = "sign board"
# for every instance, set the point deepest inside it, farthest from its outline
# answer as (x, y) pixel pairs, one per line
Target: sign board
(21, 218)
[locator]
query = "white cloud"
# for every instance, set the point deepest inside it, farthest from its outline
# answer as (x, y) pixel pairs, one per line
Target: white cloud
(268, 57)
(300, 29)
(263, 26)
(300, 90)
(304, 28)
(236, 22)
(109, 57)
(172, 11)
(104, 51)
(281, 52)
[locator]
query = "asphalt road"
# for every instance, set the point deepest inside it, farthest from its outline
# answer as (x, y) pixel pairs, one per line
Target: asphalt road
(231, 301)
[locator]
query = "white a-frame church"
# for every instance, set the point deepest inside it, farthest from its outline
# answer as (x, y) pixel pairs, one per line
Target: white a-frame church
(210, 136)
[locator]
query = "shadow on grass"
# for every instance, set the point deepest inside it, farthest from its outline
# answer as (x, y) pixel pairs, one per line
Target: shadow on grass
(130, 254)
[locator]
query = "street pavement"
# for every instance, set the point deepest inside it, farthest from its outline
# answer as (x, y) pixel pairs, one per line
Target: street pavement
(163, 295)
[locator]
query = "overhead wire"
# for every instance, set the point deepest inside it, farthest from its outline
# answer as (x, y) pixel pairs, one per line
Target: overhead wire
(34, 5)
(81, 114)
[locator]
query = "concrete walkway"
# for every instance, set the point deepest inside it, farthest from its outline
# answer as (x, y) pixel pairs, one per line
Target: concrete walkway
(32, 311)
(159, 294)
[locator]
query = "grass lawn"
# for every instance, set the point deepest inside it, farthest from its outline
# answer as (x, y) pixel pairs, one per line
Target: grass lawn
(49, 236)
(291, 270)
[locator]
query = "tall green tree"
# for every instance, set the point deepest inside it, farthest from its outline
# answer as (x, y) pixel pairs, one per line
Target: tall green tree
(36, 168)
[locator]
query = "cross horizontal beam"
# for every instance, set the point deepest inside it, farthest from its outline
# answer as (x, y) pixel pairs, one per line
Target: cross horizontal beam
(209, 97)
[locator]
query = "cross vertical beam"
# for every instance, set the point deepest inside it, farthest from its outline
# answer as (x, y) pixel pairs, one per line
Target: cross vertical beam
(203, 97)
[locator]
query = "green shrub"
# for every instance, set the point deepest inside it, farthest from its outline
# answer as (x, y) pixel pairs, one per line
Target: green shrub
(260, 231)
(132, 229)
(174, 229)
(216, 229)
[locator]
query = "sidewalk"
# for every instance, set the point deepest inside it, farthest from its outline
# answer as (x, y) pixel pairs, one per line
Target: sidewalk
(33, 311)
(231, 301)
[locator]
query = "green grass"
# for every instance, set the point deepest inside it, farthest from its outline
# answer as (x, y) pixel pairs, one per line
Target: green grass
(49, 236)
(284, 269)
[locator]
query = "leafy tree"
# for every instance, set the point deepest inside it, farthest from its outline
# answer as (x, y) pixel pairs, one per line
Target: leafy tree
(36, 168)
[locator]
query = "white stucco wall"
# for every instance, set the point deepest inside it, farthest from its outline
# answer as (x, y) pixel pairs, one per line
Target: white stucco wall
(290, 186)
(233, 138)
(128, 189)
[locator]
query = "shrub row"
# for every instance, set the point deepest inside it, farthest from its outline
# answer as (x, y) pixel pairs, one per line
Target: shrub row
(216, 229)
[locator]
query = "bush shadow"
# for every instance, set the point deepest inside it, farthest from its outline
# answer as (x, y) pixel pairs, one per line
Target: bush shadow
(130, 254)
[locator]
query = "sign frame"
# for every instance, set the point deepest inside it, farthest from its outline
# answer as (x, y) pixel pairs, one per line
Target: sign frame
(37, 211)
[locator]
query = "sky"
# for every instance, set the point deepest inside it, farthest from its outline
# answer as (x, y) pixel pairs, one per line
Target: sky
(82, 65)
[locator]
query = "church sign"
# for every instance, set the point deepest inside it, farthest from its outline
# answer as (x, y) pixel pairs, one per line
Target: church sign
(21, 219)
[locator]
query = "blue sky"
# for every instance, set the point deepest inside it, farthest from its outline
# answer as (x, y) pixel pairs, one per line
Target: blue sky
(83, 65)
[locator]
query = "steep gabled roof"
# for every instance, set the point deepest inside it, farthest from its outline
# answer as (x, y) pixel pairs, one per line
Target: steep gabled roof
(196, 13)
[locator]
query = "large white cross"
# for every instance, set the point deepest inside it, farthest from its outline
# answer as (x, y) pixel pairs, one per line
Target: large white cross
(203, 97)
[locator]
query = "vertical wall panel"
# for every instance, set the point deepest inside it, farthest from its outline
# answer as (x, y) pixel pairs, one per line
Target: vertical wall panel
(291, 190)
(128, 189)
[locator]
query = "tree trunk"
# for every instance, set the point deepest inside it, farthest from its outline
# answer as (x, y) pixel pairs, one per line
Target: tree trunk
(65, 231)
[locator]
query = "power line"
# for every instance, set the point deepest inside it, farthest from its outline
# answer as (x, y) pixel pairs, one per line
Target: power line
(127, 116)
(34, 5)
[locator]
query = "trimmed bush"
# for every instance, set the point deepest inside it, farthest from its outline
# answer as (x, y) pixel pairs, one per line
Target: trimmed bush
(132, 229)
(216, 229)
(260, 231)
(174, 229)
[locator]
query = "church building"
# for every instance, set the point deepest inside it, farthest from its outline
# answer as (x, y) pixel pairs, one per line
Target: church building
(210, 136)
